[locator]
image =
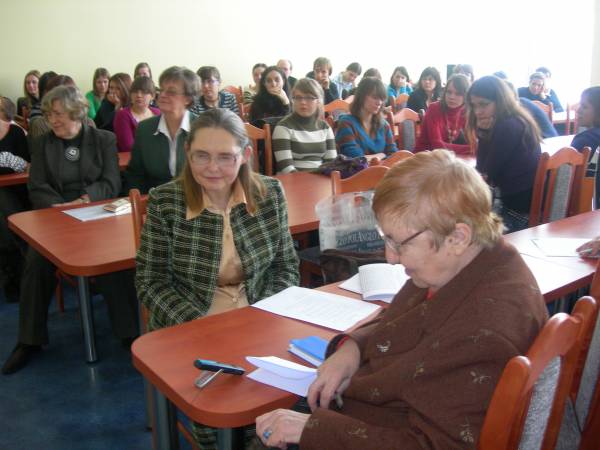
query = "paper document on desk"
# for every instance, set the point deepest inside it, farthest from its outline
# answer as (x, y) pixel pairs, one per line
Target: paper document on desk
(93, 213)
(282, 374)
(559, 246)
(317, 307)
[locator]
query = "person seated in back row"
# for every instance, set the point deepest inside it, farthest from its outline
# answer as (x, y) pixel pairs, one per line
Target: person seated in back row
(303, 141)
(421, 375)
(157, 155)
(428, 90)
(535, 91)
(211, 97)
(273, 99)
(322, 70)
(346, 80)
(548, 89)
(588, 117)
(286, 66)
(443, 125)
(365, 131)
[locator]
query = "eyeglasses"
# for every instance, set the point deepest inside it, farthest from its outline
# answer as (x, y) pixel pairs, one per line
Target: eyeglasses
(171, 93)
(223, 160)
(209, 82)
(393, 245)
(304, 98)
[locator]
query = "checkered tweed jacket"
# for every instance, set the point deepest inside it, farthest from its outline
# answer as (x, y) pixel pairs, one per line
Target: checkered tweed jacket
(178, 260)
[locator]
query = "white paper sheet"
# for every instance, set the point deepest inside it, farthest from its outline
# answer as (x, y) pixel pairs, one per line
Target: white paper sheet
(559, 246)
(282, 374)
(317, 307)
(93, 213)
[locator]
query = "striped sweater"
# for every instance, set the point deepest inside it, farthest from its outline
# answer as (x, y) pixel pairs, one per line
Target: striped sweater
(302, 143)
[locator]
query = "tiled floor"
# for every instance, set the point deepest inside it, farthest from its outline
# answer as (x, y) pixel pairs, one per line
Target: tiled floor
(60, 402)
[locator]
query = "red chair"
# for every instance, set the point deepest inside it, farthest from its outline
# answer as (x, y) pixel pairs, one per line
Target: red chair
(507, 414)
(256, 134)
(546, 205)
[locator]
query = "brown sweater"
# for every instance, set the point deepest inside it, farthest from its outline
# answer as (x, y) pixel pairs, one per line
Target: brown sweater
(429, 367)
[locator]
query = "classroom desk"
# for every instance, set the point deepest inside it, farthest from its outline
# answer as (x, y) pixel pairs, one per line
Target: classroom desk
(82, 249)
(165, 358)
(88, 249)
(586, 225)
(21, 178)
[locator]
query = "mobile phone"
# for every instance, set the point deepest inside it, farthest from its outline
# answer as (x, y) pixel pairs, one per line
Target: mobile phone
(215, 366)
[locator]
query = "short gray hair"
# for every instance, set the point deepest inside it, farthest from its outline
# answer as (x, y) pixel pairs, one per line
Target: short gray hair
(71, 99)
(190, 81)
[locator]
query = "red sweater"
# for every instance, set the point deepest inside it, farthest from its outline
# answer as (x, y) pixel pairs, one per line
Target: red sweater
(437, 126)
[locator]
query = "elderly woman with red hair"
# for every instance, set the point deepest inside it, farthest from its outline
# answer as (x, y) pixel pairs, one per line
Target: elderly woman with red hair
(423, 372)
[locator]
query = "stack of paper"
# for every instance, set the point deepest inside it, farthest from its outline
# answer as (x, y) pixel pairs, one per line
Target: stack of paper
(317, 307)
(311, 349)
(282, 374)
(377, 281)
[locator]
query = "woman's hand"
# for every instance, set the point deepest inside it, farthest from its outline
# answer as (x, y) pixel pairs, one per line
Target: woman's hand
(334, 375)
(590, 249)
(279, 92)
(114, 99)
(78, 201)
(280, 427)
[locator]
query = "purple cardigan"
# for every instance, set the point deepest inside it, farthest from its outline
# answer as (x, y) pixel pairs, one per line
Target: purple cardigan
(124, 126)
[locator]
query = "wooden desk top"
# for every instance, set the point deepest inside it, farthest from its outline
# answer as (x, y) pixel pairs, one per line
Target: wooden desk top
(78, 248)
(165, 357)
(303, 191)
(579, 270)
(21, 178)
(12, 179)
(103, 246)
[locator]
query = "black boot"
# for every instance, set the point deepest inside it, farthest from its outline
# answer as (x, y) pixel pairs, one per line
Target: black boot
(19, 358)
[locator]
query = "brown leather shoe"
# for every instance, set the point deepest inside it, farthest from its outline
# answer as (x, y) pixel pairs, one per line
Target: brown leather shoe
(19, 358)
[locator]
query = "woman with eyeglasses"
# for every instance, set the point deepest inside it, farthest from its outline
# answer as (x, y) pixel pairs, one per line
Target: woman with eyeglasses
(302, 140)
(157, 155)
(216, 238)
(365, 131)
(421, 374)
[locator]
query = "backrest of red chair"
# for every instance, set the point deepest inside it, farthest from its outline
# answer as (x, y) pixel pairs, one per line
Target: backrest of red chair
(138, 213)
(256, 134)
(545, 184)
(365, 180)
(507, 414)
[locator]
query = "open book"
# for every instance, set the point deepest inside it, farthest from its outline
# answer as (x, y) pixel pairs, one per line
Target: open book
(377, 281)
